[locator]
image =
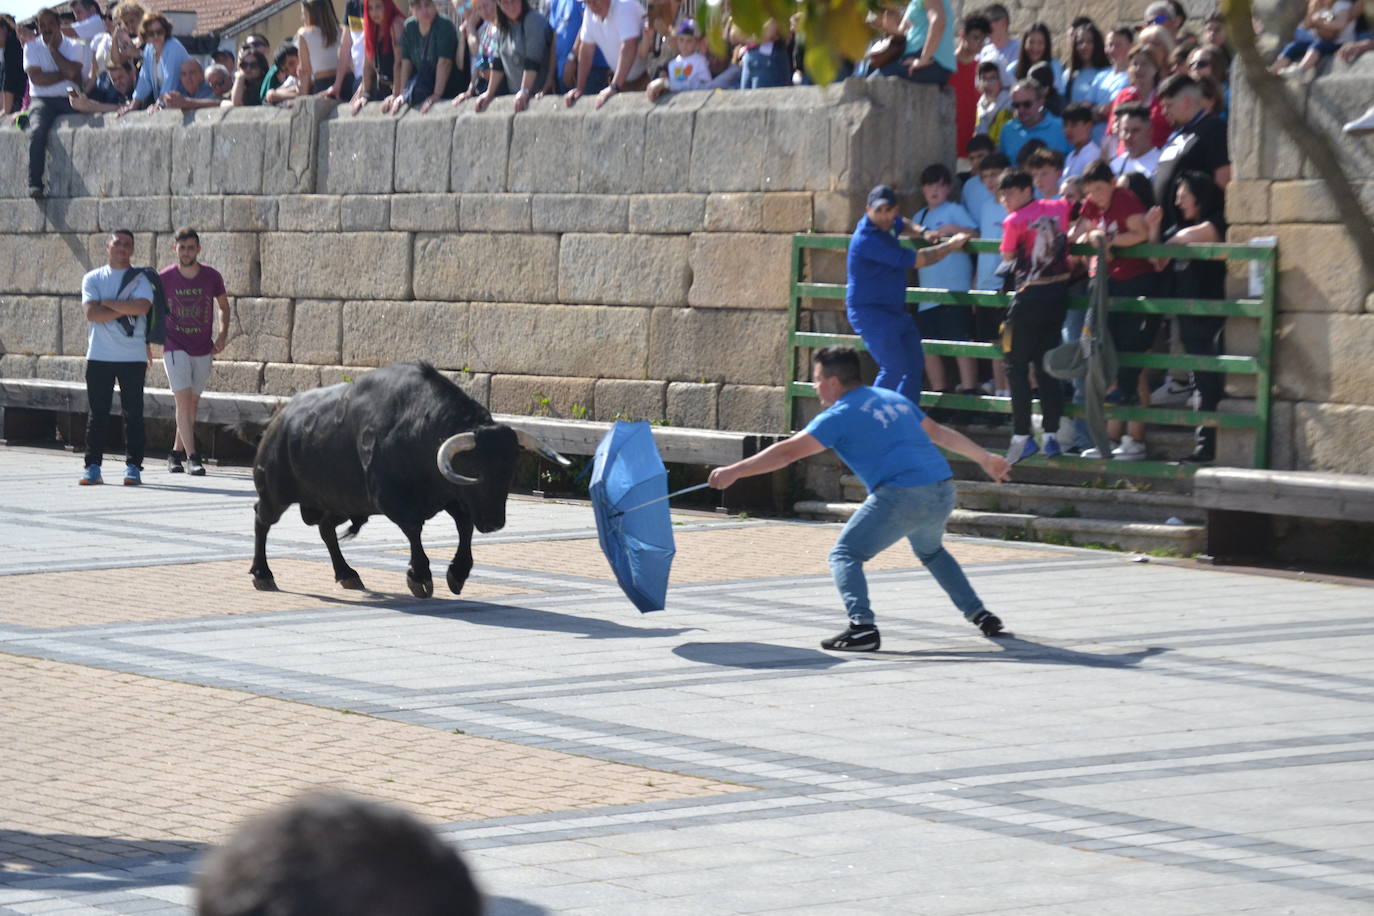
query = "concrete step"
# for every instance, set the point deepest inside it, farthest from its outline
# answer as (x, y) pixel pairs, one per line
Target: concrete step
(1049, 501)
(1144, 537)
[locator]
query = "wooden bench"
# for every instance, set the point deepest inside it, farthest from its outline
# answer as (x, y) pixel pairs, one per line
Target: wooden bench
(22, 397)
(1242, 503)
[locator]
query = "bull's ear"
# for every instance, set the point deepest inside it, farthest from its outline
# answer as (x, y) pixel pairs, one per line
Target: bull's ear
(452, 446)
(530, 442)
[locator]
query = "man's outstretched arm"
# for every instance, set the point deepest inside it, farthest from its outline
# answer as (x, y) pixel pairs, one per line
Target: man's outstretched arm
(776, 456)
(995, 466)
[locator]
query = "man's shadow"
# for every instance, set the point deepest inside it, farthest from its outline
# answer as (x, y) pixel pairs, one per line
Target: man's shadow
(515, 617)
(765, 656)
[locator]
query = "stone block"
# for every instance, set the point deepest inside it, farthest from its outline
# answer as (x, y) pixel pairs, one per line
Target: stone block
(612, 146)
(624, 269)
(739, 212)
(1281, 456)
(250, 214)
(425, 212)
(546, 148)
(357, 154)
(147, 141)
(578, 213)
(76, 330)
(157, 378)
(139, 214)
(317, 332)
(1331, 102)
(1319, 269)
(738, 270)
(31, 324)
(717, 345)
(424, 143)
(786, 211)
(84, 159)
(204, 214)
(334, 375)
(797, 154)
(726, 152)
(495, 213)
(559, 340)
(667, 213)
(308, 213)
(1330, 437)
(380, 333)
(259, 329)
(752, 408)
(1262, 153)
(14, 179)
(668, 143)
(70, 214)
(836, 211)
(17, 365)
(61, 368)
(237, 150)
(541, 395)
(55, 264)
(476, 385)
(291, 148)
(24, 214)
(1306, 201)
(236, 377)
(284, 380)
(365, 213)
(1247, 201)
(1324, 357)
(692, 404)
(486, 268)
(620, 399)
(481, 145)
(303, 265)
(193, 152)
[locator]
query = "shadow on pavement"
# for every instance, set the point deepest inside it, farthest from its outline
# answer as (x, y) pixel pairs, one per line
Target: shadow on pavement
(756, 655)
(509, 906)
(1016, 649)
(76, 862)
(525, 618)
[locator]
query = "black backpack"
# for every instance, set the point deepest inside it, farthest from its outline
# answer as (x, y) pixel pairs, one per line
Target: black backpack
(157, 315)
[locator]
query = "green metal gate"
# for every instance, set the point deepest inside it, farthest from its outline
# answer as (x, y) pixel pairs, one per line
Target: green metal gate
(1259, 366)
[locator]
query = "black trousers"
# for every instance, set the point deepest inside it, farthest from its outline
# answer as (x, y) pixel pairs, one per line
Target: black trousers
(1132, 332)
(1037, 320)
(43, 114)
(100, 381)
(1202, 335)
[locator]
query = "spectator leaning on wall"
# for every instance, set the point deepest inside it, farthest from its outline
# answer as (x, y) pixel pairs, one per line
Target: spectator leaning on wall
(55, 66)
(615, 27)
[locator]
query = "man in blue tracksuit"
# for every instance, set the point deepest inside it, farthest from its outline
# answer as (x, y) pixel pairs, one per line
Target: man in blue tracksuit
(875, 294)
(891, 445)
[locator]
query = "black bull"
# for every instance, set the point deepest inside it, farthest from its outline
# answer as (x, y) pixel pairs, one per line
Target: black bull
(404, 442)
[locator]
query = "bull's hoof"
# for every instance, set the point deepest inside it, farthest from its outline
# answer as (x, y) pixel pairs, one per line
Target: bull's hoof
(456, 584)
(420, 588)
(265, 584)
(352, 583)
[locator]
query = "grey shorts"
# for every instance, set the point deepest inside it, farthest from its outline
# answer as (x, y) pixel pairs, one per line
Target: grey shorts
(186, 371)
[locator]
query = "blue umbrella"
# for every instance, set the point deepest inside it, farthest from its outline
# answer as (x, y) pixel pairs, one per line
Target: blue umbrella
(629, 491)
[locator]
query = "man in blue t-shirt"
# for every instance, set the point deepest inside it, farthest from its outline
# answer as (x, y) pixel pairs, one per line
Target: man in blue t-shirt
(116, 350)
(875, 291)
(891, 446)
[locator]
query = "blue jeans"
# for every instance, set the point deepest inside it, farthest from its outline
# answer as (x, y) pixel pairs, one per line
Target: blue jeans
(888, 515)
(894, 341)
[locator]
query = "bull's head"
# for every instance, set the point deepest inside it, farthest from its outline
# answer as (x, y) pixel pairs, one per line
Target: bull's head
(494, 455)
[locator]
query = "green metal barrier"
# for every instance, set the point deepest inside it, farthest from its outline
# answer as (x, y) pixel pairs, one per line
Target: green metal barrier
(1260, 366)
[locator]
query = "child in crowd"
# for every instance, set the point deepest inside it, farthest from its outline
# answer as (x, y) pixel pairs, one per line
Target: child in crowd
(1078, 131)
(1046, 167)
(1036, 267)
(689, 70)
(988, 319)
(1071, 189)
(942, 218)
(972, 193)
(766, 64)
(994, 102)
(1328, 25)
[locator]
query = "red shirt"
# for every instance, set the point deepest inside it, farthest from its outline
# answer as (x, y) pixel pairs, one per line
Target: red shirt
(1160, 128)
(964, 83)
(1124, 204)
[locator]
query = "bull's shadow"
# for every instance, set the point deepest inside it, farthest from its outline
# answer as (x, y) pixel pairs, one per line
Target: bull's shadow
(1015, 649)
(91, 862)
(757, 656)
(515, 617)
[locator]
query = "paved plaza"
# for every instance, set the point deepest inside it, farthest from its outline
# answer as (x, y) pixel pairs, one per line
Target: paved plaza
(1157, 737)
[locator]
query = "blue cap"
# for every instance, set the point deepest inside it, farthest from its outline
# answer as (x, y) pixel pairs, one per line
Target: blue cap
(882, 194)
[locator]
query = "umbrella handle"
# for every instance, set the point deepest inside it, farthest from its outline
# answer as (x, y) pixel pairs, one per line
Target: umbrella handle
(669, 496)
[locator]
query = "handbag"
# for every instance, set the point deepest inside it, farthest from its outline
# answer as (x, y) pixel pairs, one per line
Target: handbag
(885, 50)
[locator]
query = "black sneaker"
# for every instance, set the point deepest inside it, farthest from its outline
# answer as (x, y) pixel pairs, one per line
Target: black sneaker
(988, 622)
(854, 639)
(194, 467)
(174, 465)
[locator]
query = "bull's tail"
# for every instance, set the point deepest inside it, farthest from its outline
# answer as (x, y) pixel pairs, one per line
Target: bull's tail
(252, 431)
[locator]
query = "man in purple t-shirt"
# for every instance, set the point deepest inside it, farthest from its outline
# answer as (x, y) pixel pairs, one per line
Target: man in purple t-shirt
(193, 290)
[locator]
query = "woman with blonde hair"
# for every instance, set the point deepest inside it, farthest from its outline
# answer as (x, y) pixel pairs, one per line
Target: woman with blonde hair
(318, 43)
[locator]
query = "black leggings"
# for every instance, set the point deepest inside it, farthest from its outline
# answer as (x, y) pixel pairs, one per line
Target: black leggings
(1201, 335)
(1037, 319)
(100, 382)
(1132, 332)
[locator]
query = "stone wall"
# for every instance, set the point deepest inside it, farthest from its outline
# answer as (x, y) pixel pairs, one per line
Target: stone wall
(1324, 340)
(629, 262)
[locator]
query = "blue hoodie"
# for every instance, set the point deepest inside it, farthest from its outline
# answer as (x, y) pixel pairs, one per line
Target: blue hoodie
(877, 265)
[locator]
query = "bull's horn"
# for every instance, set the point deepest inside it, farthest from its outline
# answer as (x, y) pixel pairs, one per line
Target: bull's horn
(534, 445)
(453, 445)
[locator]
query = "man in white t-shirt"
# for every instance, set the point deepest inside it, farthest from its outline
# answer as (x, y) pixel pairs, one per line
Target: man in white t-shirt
(1135, 130)
(1001, 47)
(117, 303)
(56, 66)
(614, 27)
(89, 23)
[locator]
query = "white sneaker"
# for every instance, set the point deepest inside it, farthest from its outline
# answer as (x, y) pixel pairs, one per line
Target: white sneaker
(1094, 452)
(1361, 125)
(1130, 449)
(1172, 393)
